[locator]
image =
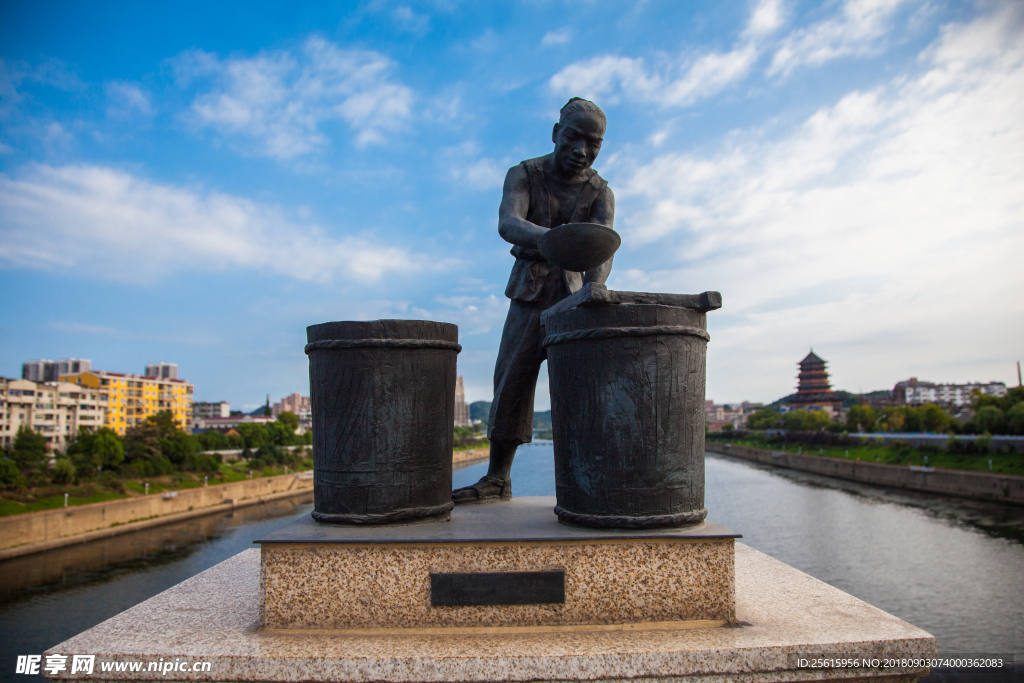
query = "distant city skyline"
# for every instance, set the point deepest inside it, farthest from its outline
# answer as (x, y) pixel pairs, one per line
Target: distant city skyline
(200, 182)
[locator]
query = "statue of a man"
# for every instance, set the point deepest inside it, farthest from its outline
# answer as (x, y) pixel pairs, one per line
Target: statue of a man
(539, 194)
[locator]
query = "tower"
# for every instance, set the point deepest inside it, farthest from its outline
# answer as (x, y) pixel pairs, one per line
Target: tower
(813, 391)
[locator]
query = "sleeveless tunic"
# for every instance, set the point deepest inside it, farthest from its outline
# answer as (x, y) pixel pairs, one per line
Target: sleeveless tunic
(533, 279)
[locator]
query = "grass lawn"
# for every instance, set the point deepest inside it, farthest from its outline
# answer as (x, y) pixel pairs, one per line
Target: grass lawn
(51, 496)
(1002, 462)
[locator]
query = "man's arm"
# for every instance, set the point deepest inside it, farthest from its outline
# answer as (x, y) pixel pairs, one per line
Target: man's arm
(602, 212)
(515, 203)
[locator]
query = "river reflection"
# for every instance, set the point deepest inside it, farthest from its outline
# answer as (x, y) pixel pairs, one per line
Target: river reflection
(48, 597)
(130, 553)
(953, 567)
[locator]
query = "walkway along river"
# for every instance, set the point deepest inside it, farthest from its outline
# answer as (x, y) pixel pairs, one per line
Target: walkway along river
(951, 566)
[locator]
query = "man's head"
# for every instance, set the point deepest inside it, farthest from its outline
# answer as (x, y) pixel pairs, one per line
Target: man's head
(578, 135)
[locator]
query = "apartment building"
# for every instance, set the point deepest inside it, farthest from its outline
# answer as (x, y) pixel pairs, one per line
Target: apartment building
(210, 409)
(736, 414)
(914, 392)
(56, 410)
(296, 403)
(129, 399)
(50, 371)
(461, 407)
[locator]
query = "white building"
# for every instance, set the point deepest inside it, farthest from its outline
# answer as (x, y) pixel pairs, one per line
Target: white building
(54, 409)
(162, 370)
(223, 424)
(208, 409)
(717, 416)
(296, 403)
(913, 392)
(50, 371)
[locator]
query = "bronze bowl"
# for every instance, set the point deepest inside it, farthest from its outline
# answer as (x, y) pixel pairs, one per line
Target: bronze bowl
(579, 246)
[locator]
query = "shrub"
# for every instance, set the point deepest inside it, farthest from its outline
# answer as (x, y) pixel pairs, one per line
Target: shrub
(9, 475)
(29, 450)
(1015, 419)
(63, 471)
(989, 419)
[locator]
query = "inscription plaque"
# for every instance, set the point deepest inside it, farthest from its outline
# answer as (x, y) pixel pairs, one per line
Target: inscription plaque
(497, 588)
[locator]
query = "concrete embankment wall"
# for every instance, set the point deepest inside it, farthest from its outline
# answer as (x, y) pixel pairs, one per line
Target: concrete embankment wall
(1002, 488)
(470, 454)
(38, 531)
(47, 528)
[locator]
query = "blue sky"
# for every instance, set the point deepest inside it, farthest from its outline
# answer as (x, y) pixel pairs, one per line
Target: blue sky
(197, 182)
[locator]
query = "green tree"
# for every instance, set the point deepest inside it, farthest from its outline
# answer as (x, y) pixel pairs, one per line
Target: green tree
(142, 450)
(990, 419)
(806, 421)
(253, 435)
(9, 475)
(861, 418)
(1015, 419)
(107, 448)
(179, 448)
(212, 440)
(93, 451)
(765, 418)
(29, 450)
(280, 434)
(266, 408)
(290, 419)
(933, 418)
(63, 471)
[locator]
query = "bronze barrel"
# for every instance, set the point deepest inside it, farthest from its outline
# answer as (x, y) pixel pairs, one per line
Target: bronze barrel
(383, 401)
(627, 409)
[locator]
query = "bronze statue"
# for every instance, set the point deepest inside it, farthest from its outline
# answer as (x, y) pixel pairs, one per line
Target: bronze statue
(539, 194)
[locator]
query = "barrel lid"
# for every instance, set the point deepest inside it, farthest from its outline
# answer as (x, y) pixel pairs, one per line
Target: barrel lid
(383, 329)
(593, 295)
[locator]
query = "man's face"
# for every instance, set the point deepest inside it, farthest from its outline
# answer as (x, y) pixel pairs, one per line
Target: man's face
(577, 141)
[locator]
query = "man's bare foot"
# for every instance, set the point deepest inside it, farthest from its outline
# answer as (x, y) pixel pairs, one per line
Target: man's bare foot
(487, 490)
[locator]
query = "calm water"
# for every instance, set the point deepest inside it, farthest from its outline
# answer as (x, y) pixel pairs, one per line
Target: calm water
(952, 567)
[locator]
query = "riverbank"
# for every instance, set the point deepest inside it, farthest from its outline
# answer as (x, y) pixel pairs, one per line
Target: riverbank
(470, 455)
(38, 531)
(1000, 488)
(24, 534)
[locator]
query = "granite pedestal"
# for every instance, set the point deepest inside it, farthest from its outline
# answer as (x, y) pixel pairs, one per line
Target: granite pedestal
(782, 615)
(316, 576)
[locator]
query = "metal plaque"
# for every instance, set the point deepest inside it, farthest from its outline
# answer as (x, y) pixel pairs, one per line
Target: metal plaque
(497, 588)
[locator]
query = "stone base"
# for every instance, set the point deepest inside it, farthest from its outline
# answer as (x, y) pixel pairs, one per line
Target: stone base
(332, 577)
(783, 614)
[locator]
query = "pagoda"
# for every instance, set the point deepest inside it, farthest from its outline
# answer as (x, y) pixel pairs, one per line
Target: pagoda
(813, 392)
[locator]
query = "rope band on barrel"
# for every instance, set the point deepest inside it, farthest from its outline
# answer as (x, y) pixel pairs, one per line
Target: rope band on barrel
(611, 332)
(382, 518)
(629, 522)
(383, 343)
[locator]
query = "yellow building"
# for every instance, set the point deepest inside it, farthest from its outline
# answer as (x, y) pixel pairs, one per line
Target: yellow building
(130, 399)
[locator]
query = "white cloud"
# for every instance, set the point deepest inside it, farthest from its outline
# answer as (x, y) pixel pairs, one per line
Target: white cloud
(479, 173)
(486, 42)
(886, 231)
(281, 99)
(609, 78)
(678, 83)
(766, 18)
(559, 37)
(111, 224)
(411, 21)
(857, 30)
(126, 99)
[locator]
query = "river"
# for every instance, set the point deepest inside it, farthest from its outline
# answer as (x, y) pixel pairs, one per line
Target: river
(953, 567)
